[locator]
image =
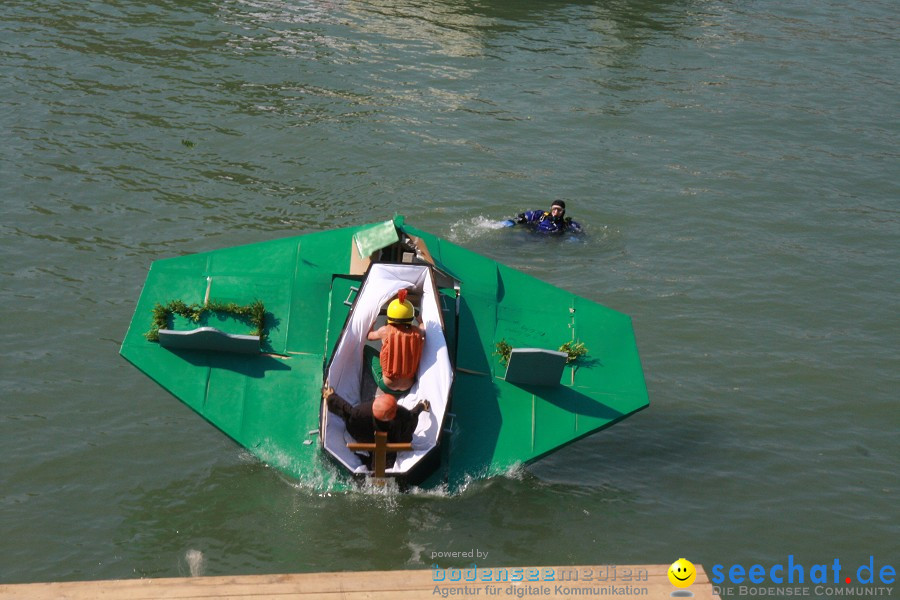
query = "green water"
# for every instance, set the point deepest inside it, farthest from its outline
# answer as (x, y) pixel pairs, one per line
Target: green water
(733, 163)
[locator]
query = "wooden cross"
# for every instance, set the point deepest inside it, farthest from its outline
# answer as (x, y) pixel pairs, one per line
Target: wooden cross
(380, 448)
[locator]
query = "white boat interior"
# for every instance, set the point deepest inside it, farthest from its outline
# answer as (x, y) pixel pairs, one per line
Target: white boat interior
(435, 375)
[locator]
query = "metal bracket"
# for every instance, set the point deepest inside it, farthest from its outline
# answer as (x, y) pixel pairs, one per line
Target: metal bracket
(449, 422)
(350, 293)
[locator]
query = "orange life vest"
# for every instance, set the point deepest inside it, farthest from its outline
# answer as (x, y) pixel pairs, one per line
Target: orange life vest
(401, 351)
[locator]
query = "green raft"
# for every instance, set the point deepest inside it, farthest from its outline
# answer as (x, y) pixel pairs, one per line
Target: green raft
(245, 336)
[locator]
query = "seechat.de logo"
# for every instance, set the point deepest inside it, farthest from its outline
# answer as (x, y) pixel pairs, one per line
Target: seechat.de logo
(795, 572)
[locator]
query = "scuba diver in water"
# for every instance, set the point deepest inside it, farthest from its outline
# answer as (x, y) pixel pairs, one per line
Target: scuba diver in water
(552, 221)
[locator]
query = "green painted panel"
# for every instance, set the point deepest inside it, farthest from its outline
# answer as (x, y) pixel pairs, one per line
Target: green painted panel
(567, 413)
(228, 383)
(321, 255)
(275, 257)
(185, 382)
(448, 311)
(612, 367)
(306, 322)
(476, 426)
(272, 290)
(337, 317)
(269, 404)
(476, 324)
(165, 282)
(532, 313)
(501, 424)
(540, 311)
(279, 415)
(515, 443)
(478, 307)
(555, 418)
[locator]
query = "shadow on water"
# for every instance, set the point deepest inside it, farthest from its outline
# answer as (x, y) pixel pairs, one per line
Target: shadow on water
(656, 448)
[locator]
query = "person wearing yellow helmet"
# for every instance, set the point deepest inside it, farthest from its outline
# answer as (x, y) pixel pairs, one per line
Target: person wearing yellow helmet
(402, 341)
(400, 312)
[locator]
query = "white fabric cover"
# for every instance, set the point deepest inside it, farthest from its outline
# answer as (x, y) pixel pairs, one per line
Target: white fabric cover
(435, 375)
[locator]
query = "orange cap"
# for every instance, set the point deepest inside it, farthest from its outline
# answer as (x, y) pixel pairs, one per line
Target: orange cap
(384, 407)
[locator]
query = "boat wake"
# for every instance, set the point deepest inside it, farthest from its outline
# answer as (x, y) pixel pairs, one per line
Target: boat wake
(472, 228)
(195, 562)
(329, 481)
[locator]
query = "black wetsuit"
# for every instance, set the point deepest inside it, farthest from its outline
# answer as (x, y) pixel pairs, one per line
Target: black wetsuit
(544, 222)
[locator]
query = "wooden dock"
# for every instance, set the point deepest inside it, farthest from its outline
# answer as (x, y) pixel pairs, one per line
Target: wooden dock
(536, 583)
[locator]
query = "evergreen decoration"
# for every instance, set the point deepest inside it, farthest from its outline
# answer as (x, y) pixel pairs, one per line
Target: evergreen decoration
(575, 350)
(254, 312)
(504, 351)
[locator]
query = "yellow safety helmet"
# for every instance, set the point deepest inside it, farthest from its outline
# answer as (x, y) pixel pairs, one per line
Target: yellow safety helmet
(400, 310)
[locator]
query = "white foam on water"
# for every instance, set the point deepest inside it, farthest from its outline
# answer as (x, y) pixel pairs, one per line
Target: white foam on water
(195, 561)
(474, 227)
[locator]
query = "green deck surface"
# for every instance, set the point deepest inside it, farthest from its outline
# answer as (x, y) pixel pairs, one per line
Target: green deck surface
(269, 403)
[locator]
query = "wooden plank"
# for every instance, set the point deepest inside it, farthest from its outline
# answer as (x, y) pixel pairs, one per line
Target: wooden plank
(550, 583)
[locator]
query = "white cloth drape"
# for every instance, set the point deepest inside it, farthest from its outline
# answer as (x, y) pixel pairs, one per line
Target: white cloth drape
(434, 376)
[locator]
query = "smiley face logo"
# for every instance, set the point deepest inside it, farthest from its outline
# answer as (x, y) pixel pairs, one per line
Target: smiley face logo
(682, 573)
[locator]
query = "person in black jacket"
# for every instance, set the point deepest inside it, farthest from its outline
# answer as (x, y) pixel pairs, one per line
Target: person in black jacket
(382, 414)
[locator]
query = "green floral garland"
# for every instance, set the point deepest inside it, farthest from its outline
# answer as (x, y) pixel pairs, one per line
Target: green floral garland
(254, 312)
